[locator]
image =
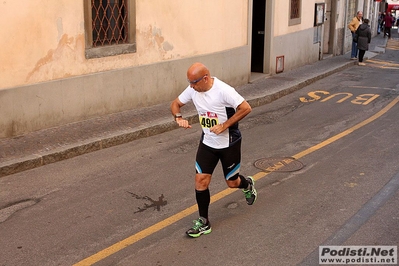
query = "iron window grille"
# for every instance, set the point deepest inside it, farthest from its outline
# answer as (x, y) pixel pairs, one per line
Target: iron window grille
(110, 27)
(295, 12)
(295, 9)
(109, 22)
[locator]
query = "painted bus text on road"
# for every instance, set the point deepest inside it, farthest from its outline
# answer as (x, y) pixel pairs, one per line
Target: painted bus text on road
(362, 99)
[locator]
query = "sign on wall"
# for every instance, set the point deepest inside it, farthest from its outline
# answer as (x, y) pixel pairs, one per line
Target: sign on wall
(319, 14)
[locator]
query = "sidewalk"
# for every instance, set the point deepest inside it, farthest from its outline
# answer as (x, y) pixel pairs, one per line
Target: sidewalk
(55, 144)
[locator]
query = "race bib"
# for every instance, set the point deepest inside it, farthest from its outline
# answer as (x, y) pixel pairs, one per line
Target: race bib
(208, 119)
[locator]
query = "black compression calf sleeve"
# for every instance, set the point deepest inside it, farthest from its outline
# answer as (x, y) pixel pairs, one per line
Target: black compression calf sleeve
(203, 198)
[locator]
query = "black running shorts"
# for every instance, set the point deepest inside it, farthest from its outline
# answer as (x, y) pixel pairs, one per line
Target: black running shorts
(207, 158)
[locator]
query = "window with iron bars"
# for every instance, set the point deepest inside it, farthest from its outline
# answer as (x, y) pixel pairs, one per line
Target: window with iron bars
(295, 12)
(109, 22)
(110, 27)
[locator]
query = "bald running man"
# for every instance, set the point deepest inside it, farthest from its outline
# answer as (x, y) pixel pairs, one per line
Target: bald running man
(219, 108)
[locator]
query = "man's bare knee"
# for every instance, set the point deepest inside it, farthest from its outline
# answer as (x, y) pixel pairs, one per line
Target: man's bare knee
(202, 181)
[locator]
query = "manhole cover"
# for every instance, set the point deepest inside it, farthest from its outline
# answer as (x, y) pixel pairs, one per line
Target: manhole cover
(279, 164)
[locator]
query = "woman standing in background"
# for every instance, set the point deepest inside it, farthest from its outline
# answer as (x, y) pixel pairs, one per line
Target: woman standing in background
(364, 38)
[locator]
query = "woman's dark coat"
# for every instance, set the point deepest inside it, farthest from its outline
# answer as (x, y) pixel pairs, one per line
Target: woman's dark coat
(364, 36)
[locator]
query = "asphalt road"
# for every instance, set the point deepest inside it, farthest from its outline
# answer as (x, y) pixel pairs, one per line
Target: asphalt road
(131, 204)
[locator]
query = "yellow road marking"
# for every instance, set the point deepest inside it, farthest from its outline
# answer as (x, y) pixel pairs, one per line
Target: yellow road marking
(348, 131)
(180, 215)
(389, 67)
(384, 64)
(376, 61)
(365, 87)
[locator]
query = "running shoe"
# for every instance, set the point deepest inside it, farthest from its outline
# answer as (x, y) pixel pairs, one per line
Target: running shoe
(250, 194)
(200, 227)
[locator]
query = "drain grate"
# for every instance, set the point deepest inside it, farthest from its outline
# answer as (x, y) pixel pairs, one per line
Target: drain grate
(279, 164)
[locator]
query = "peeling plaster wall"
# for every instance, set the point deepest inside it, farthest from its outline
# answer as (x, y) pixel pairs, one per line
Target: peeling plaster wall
(43, 105)
(45, 79)
(39, 42)
(44, 40)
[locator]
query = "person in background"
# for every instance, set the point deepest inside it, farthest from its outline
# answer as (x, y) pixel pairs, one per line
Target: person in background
(388, 25)
(353, 25)
(382, 22)
(364, 38)
(397, 24)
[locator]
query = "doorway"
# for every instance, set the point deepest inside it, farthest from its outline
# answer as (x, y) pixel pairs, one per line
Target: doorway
(258, 35)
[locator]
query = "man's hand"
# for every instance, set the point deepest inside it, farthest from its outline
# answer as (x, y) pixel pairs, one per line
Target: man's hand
(183, 123)
(217, 129)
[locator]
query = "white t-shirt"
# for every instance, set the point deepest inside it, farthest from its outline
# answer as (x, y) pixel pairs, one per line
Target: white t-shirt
(214, 107)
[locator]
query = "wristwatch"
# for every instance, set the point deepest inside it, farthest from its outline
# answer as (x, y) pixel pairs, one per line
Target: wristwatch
(178, 115)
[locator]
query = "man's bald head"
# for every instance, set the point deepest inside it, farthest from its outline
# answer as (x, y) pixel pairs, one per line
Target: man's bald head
(199, 77)
(197, 70)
